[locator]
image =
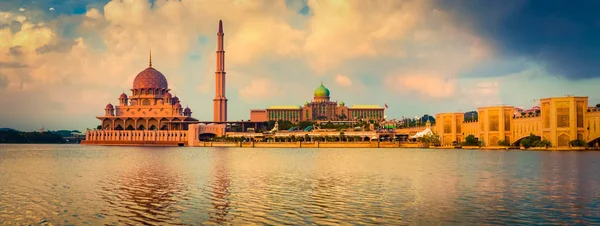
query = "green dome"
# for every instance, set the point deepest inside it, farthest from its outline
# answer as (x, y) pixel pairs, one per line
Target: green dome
(306, 103)
(322, 91)
(342, 103)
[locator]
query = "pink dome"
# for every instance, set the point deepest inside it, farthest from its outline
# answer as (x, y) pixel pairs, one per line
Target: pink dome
(109, 106)
(177, 106)
(123, 96)
(150, 78)
(167, 95)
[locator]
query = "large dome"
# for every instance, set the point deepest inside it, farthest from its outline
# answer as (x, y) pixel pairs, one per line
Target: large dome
(150, 78)
(322, 91)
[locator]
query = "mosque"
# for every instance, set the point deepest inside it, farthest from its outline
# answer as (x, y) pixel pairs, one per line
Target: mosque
(150, 106)
(321, 108)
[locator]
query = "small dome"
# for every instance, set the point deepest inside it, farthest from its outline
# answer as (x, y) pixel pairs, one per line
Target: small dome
(187, 110)
(322, 91)
(167, 95)
(178, 106)
(109, 106)
(175, 99)
(150, 78)
(306, 103)
(342, 103)
(123, 96)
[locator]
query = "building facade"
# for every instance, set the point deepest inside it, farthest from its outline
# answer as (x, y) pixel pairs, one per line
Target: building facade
(558, 120)
(321, 108)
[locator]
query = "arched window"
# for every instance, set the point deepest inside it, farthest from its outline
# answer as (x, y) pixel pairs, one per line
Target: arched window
(146, 102)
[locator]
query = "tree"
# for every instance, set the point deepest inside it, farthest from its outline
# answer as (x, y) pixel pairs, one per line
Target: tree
(430, 139)
(470, 140)
(523, 113)
(99, 127)
(537, 111)
(598, 106)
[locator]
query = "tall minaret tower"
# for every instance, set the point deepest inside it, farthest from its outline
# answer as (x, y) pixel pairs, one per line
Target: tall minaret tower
(220, 101)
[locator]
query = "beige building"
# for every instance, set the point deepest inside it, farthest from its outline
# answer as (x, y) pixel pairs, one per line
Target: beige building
(560, 120)
(321, 108)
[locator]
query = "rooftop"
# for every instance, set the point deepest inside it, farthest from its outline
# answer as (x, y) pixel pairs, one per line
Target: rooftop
(284, 107)
(366, 107)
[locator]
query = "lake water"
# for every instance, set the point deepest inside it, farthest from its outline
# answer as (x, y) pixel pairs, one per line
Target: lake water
(72, 184)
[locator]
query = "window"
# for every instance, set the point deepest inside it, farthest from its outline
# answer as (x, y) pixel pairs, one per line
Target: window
(546, 115)
(447, 124)
(580, 114)
(507, 120)
(494, 121)
(562, 117)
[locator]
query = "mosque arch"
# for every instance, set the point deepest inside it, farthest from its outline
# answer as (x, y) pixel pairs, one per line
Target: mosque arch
(141, 122)
(162, 124)
(119, 123)
(152, 124)
(107, 124)
(129, 124)
(176, 126)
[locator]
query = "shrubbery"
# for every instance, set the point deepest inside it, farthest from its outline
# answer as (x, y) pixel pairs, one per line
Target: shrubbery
(471, 141)
(577, 143)
(535, 141)
(503, 143)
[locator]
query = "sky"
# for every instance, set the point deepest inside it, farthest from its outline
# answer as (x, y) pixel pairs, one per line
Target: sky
(61, 62)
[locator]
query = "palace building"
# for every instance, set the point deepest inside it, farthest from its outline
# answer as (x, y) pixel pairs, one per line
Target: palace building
(557, 119)
(321, 108)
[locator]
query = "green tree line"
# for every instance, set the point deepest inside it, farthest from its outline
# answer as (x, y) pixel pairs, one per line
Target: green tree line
(30, 137)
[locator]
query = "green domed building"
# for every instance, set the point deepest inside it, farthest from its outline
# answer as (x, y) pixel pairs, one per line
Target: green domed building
(321, 108)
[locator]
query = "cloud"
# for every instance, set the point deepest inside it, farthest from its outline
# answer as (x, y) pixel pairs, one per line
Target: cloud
(559, 34)
(343, 80)
(51, 9)
(12, 65)
(3, 82)
(259, 89)
(429, 84)
(22, 9)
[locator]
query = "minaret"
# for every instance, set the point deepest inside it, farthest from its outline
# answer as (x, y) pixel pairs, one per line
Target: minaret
(220, 101)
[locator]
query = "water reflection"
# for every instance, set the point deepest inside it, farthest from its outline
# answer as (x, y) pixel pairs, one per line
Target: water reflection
(219, 193)
(149, 193)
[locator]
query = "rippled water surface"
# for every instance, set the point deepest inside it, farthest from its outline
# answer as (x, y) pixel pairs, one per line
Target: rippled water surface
(72, 184)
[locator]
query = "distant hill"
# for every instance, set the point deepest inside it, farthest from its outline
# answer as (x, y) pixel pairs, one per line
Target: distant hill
(13, 136)
(8, 129)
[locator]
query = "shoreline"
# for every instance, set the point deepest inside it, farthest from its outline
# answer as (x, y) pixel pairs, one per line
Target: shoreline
(318, 144)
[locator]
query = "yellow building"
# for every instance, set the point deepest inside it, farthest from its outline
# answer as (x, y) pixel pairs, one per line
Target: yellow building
(559, 120)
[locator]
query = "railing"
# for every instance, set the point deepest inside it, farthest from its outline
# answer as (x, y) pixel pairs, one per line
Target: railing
(136, 135)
